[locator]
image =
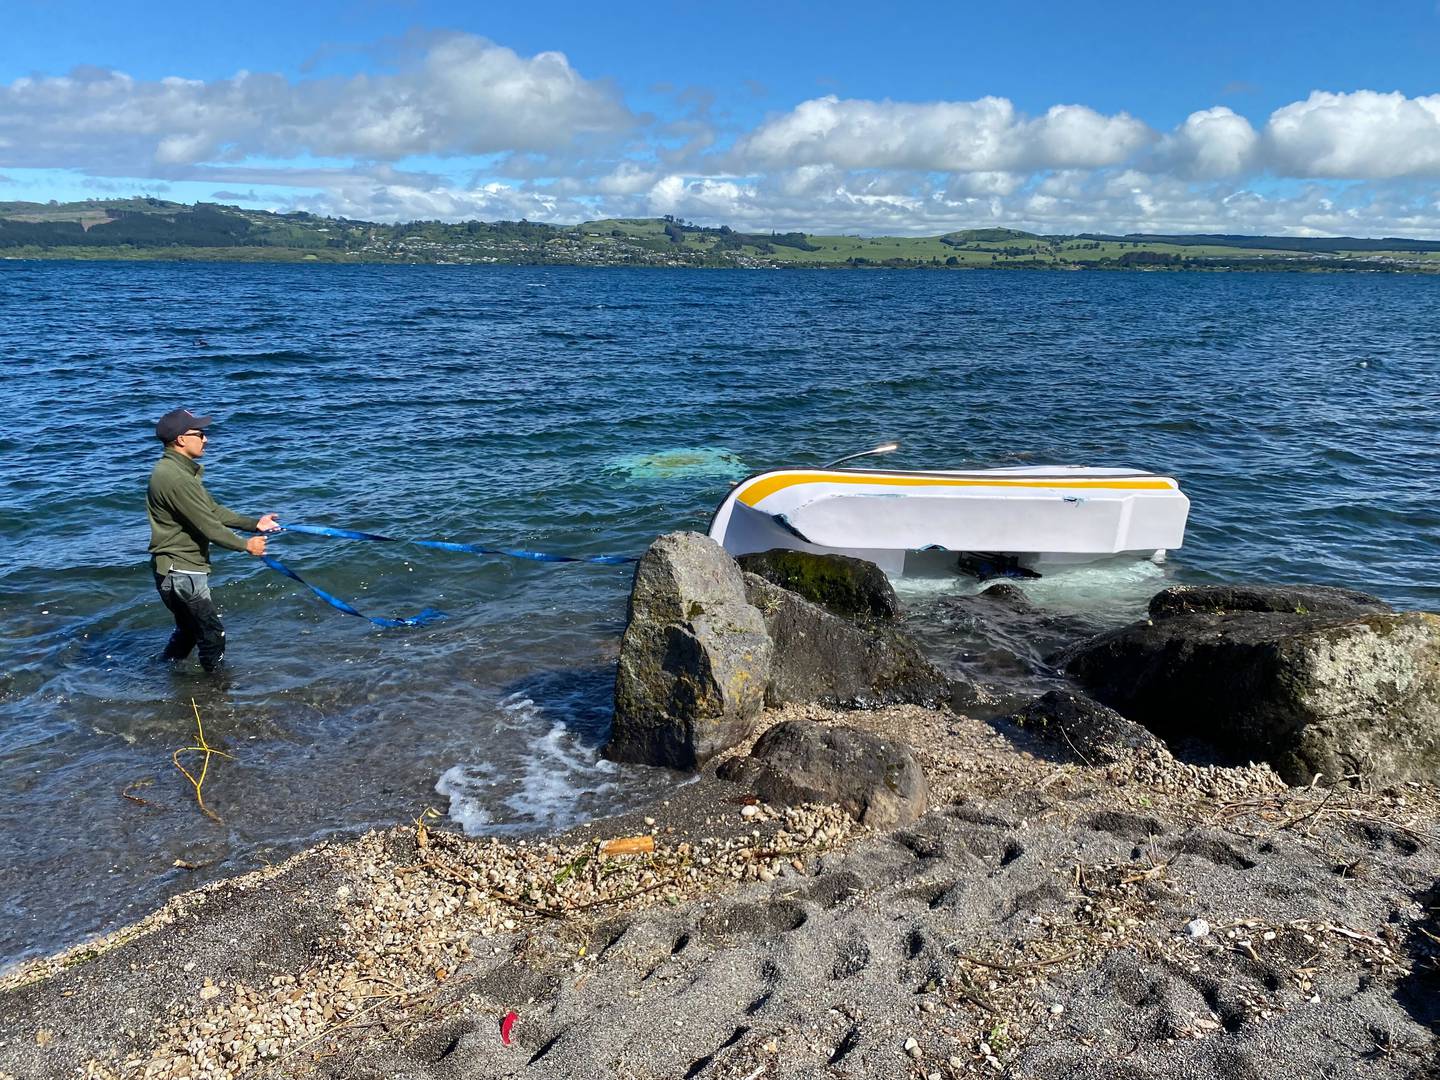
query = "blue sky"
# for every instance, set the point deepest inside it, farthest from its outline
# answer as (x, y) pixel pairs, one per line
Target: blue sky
(1240, 117)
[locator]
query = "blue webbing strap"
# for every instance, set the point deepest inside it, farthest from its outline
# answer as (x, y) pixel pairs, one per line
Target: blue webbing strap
(429, 614)
(473, 549)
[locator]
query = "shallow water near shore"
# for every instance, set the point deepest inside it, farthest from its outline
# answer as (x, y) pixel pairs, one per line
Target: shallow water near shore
(1300, 413)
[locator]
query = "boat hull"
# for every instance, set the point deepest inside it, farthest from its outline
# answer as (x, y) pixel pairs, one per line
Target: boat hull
(1039, 516)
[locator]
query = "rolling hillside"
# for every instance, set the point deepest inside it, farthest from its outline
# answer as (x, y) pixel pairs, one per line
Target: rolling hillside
(147, 228)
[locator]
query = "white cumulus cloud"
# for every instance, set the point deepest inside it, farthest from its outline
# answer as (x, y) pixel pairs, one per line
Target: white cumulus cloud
(462, 95)
(457, 126)
(1363, 134)
(986, 135)
(1210, 143)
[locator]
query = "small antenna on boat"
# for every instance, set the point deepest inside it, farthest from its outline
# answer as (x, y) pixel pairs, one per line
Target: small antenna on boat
(883, 448)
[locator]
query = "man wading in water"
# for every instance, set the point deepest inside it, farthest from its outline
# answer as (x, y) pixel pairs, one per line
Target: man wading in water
(184, 522)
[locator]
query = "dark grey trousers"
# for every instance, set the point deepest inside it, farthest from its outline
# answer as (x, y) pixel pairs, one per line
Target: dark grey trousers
(196, 620)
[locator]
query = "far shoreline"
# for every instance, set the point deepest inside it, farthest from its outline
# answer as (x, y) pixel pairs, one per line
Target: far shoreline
(246, 256)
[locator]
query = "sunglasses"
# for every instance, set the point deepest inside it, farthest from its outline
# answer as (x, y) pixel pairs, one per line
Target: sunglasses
(199, 433)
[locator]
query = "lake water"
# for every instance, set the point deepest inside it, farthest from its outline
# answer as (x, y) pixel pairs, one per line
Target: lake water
(584, 411)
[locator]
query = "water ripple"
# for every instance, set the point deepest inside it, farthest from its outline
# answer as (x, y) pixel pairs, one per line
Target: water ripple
(583, 410)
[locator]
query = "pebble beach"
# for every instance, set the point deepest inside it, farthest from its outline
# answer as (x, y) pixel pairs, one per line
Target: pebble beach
(1046, 918)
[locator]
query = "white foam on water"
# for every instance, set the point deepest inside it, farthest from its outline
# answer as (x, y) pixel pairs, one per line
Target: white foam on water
(554, 781)
(1111, 590)
(680, 463)
(1118, 588)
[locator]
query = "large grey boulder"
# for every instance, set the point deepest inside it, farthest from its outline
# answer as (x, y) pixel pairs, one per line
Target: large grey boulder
(822, 658)
(695, 658)
(840, 584)
(877, 781)
(1312, 680)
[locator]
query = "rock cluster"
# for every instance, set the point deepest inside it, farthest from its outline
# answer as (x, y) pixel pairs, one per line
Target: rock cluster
(708, 646)
(1316, 681)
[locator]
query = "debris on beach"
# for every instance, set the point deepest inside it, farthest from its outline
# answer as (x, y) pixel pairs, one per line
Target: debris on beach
(1074, 894)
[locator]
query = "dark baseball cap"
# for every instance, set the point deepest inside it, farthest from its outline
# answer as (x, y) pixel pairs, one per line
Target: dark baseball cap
(177, 422)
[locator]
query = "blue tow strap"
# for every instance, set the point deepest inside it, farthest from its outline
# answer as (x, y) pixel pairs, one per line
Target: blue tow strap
(473, 549)
(429, 614)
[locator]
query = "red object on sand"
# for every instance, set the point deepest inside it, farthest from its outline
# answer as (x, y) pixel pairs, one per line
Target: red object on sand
(506, 1025)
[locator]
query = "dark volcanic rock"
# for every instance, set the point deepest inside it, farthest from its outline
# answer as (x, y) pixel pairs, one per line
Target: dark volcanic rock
(1012, 596)
(695, 658)
(1089, 730)
(1328, 685)
(822, 658)
(838, 583)
(1286, 599)
(877, 781)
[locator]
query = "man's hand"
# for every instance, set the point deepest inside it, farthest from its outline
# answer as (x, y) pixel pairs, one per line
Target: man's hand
(255, 546)
(269, 523)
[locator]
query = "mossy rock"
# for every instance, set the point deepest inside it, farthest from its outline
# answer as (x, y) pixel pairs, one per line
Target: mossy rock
(846, 586)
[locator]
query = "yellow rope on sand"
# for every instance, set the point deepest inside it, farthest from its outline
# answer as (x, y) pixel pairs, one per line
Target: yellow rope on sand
(203, 748)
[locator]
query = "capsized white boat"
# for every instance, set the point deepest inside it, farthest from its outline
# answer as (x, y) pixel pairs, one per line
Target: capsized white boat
(1035, 517)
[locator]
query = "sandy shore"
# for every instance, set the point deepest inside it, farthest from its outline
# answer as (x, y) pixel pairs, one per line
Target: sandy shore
(1047, 918)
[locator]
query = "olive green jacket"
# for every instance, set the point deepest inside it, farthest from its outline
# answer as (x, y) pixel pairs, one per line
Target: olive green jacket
(185, 520)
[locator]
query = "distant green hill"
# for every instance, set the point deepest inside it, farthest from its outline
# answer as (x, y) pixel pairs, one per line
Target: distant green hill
(148, 228)
(1276, 243)
(987, 236)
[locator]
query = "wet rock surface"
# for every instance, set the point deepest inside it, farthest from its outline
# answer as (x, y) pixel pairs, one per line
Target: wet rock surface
(694, 660)
(823, 658)
(875, 780)
(1314, 681)
(842, 585)
(1281, 599)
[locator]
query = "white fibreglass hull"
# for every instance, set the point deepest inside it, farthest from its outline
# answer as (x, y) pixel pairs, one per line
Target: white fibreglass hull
(1041, 516)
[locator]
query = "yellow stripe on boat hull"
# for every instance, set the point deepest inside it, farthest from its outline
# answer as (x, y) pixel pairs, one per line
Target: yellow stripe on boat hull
(768, 485)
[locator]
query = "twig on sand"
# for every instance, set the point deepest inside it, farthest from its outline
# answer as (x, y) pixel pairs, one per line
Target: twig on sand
(1072, 746)
(1150, 874)
(125, 791)
(1312, 812)
(205, 748)
(1346, 932)
(422, 833)
(1268, 811)
(1022, 965)
(381, 999)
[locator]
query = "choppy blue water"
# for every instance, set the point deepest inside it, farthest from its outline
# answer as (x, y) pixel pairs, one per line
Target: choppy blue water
(583, 411)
